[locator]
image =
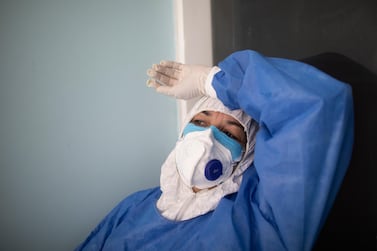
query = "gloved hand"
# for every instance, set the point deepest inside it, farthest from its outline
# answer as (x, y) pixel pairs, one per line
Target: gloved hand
(181, 81)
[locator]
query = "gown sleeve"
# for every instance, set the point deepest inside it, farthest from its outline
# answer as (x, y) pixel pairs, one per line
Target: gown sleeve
(304, 143)
(104, 231)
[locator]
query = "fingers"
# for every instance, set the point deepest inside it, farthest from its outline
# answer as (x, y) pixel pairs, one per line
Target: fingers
(167, 71)
(169, 68)
(152, 83)
(164, 74)
(163, 89)
(171, 64)
(162, 79)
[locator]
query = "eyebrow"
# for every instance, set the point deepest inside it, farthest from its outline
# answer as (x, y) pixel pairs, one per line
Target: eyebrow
(230, 122)
(235, 123)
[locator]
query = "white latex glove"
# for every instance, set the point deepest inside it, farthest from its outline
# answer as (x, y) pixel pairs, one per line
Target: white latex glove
(181, 81)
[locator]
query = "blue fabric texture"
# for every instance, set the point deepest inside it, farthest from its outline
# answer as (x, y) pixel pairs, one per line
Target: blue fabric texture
(302, 151)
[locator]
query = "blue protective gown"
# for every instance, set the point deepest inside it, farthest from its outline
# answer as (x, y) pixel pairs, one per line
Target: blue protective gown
(303, 148)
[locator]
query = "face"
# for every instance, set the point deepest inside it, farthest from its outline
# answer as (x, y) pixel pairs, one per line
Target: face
(224, 122)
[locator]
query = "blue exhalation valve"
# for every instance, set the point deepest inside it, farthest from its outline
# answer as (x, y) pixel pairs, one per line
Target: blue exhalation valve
(213, 170)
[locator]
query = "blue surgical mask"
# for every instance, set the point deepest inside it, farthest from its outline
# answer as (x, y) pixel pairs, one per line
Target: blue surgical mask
(232, 145)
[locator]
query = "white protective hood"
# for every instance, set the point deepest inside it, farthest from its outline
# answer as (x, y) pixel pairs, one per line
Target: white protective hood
(179, 202)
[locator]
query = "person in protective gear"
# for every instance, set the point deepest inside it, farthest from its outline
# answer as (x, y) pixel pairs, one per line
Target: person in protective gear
(268, 185)
(213, 134)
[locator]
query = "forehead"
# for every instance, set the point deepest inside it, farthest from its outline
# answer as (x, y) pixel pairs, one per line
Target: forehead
(216, 115)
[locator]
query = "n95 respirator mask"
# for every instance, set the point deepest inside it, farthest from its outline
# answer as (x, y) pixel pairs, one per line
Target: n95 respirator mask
(205, 156)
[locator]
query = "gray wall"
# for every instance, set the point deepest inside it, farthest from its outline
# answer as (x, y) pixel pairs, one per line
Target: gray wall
(79, 130)
(297, 28)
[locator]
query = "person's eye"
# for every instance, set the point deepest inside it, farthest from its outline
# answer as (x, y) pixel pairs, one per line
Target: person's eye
(199, 122)
(230, 135)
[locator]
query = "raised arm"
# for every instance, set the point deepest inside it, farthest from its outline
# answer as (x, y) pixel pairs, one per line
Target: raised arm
(305, 140)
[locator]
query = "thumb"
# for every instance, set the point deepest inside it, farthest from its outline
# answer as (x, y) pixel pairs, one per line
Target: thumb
(163, 89)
